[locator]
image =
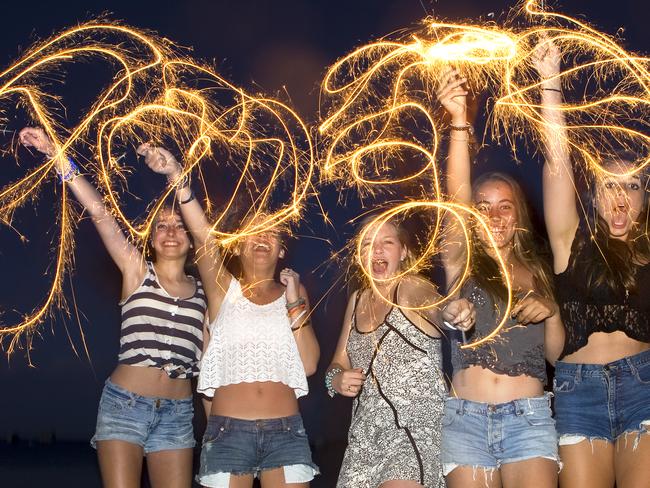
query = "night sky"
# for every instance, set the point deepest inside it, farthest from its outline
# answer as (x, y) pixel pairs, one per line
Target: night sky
(280, 47)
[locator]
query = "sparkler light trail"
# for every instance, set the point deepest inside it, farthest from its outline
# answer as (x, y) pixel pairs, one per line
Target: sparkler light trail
(157, 94)
(381, 131)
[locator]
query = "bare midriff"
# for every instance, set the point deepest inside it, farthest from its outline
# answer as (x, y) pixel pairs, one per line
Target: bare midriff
(478, 384)
(151, 382)
(253, 401)
(606, 347)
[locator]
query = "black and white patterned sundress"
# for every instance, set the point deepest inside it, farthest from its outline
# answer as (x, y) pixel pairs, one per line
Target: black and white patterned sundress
(396, 419)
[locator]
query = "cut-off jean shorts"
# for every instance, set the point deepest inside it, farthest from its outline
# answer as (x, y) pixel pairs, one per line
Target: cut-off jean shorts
(237, 447)
(483, 435)
(602, 401)
(156, 424)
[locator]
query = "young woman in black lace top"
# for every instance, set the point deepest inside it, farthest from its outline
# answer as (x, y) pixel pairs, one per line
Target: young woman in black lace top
(602, 383)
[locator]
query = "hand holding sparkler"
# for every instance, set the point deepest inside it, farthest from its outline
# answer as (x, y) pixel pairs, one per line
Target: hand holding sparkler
(37, 138)
(546, 60)
(160, 161)
(460, 314)
(452, 94)
(534, 308)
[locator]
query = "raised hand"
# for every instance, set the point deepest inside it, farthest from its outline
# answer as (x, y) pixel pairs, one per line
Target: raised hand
(291, 280)
(160, 160)
(37, 138)
(546, 59)
(452, 94)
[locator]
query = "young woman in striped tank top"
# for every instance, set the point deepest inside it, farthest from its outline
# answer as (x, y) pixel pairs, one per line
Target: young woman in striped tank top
(146, 405)
(261, 348)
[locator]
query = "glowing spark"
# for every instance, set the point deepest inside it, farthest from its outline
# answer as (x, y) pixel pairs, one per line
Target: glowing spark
(154, 96)
(378, 117)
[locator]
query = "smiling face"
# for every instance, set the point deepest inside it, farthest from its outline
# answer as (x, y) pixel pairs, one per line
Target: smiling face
(385, 250)
(496, 201)
(169, 238)
(261, 250)
(619, 201)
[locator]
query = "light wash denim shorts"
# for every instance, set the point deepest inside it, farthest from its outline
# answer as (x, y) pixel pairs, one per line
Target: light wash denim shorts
(237, 447)
(602, 401)
(156, 424)
(486, 436)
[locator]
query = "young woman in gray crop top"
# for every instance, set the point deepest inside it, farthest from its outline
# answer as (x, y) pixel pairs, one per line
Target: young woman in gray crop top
(602, 384)
(146, 407)
(497, 418)
(259, 348)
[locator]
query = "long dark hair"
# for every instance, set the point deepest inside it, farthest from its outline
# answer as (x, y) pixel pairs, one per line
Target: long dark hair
(615, 264)
(485, 270)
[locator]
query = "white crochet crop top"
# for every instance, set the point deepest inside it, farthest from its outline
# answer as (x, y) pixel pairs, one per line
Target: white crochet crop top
(250, 343)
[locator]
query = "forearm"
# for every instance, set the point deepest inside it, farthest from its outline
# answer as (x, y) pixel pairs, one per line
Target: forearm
(458, 163)
(554, 336)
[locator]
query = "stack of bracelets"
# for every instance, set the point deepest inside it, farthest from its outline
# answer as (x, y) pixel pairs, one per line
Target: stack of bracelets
(297, 306)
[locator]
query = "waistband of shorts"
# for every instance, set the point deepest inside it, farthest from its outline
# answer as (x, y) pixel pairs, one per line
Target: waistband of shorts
(125, 394)
(629, 363)
(267, 425)
(518, 407)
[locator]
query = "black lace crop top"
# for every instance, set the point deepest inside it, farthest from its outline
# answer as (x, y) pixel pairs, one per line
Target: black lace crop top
(516, 350)
(585, 311)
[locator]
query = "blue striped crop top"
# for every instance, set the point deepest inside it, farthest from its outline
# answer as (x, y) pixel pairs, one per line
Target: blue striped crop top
(162, 331)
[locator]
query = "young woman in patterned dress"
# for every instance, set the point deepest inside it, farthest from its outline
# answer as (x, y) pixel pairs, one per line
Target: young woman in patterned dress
(389, 360)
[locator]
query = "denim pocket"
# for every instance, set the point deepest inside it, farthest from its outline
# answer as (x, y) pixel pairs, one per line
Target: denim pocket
(563, 384)
(537, 418)
(299, 433)
(214, 431)
(642, 373)
(448, 418)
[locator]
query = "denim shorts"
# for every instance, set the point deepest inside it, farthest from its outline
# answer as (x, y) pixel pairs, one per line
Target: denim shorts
(602, 401)
(156, 424)
(236, 446)
(486, 436)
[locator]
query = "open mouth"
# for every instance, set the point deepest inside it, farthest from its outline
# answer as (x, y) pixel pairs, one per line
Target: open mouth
(379, 266)
(171, 243)
(620, 217)
(261, 247)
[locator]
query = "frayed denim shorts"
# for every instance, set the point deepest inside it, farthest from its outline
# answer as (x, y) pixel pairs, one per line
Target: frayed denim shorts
(486, 436)
(602, 401)
(156, 424)
(237, 447)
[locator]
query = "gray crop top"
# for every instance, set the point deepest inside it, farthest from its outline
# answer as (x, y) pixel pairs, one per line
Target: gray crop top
(516, 350)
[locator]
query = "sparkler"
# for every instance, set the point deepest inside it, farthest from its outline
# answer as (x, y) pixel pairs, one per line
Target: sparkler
(154, 95)
(378, 111)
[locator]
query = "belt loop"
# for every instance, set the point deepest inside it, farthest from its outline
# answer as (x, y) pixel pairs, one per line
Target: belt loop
(285, 423)
(578, 376)
(226, 423)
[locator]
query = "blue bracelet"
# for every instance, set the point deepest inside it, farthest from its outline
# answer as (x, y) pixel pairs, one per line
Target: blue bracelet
(72, 172)
(329, 376)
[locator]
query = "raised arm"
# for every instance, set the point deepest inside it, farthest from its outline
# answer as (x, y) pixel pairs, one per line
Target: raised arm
(560, 207)
(126, 256)
(214, 274)
(453, 97)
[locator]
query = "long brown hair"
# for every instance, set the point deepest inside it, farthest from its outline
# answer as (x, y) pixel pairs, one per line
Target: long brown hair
(615, 264)
(485, 270)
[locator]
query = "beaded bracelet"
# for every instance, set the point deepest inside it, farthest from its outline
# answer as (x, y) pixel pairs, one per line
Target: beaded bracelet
(300, 301)
(329, 377)
(71, 174)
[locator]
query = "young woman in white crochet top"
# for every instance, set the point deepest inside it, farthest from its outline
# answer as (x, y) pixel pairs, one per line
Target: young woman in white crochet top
(259, 348)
